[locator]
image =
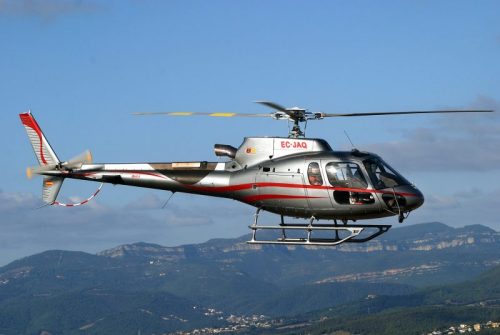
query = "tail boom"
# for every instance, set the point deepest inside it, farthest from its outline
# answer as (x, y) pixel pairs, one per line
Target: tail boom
(197, 178)
(208, 178)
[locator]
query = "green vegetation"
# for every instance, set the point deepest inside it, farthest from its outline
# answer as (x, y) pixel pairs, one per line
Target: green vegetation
(154, 289)
(434, 308)
(415, 320)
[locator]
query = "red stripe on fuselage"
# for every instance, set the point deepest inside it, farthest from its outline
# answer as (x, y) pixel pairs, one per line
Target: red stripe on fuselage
(85, 174)
(240, 187)
(221, 189)
(254, 198)
(137, 172)
(248, 186)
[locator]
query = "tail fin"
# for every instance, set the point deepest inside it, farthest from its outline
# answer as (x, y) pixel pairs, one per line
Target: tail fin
(51, 187)
(42, 148)
(46, 157)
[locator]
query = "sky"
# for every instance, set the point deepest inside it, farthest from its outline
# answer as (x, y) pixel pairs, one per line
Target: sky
(84, 66)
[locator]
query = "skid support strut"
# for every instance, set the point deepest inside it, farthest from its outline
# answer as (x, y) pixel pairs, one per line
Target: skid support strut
(341, 234)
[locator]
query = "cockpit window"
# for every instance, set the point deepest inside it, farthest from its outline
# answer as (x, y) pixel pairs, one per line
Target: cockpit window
(345, 175)
(314, 174)
(382, 175)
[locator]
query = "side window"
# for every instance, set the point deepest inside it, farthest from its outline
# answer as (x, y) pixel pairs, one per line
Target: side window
(345, 175)
(314, 174)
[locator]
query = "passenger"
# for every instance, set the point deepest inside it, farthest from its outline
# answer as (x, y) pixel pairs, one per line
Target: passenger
(315, 180)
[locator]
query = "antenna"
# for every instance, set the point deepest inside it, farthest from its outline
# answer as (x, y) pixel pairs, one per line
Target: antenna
(347, 135)
(166, 202)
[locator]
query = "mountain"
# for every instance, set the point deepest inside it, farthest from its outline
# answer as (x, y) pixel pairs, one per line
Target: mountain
(160, 289)
(100, 311)
(474, 301)
(418, 255)
(66, 292)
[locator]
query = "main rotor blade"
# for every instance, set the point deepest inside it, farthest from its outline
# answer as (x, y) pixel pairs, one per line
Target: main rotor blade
(214, 114)
(404, 113)
(272, 105)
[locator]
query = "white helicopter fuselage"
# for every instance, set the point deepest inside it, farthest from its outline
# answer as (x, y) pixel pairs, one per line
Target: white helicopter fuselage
(274, 174)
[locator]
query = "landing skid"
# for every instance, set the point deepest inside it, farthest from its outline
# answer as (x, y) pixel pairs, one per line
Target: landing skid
(345, 233)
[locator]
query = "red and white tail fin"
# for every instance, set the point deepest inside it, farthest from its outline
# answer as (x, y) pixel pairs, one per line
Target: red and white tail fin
(51, 167)
(42, 148)
(46, 157)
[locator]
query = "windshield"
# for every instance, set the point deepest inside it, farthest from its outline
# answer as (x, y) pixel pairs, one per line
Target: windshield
(382, 175)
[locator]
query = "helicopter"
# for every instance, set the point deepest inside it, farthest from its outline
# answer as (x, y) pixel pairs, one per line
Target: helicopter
(293, 177)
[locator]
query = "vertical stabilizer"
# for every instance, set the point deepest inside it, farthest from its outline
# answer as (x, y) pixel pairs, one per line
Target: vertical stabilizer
(42, 148)
(51, 187)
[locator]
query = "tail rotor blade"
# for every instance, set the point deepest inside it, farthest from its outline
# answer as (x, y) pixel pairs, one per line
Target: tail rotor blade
(31, 171)
(74, 163)
(77, 161)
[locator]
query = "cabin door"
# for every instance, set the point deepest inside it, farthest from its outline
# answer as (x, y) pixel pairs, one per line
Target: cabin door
(282, 192)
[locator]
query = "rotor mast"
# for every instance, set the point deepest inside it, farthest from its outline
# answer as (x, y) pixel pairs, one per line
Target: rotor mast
(296, 132)
(294, 114)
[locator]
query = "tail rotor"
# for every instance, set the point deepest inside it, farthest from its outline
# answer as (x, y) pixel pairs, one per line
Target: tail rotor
(49, 165)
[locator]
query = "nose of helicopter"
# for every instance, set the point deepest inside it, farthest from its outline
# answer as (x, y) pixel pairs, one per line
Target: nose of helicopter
(412, 195)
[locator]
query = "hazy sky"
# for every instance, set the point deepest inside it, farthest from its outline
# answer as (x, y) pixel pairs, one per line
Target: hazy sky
(83, 66)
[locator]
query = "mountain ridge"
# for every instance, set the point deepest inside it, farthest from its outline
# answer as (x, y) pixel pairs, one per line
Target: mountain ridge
(394, 234)
(232, 277)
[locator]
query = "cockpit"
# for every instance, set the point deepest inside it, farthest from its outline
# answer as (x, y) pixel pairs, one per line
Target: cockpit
(361, 180)
(354, 183)
(382, 175)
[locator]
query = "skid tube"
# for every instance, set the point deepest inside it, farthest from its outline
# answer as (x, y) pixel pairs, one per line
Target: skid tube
(353, 231)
